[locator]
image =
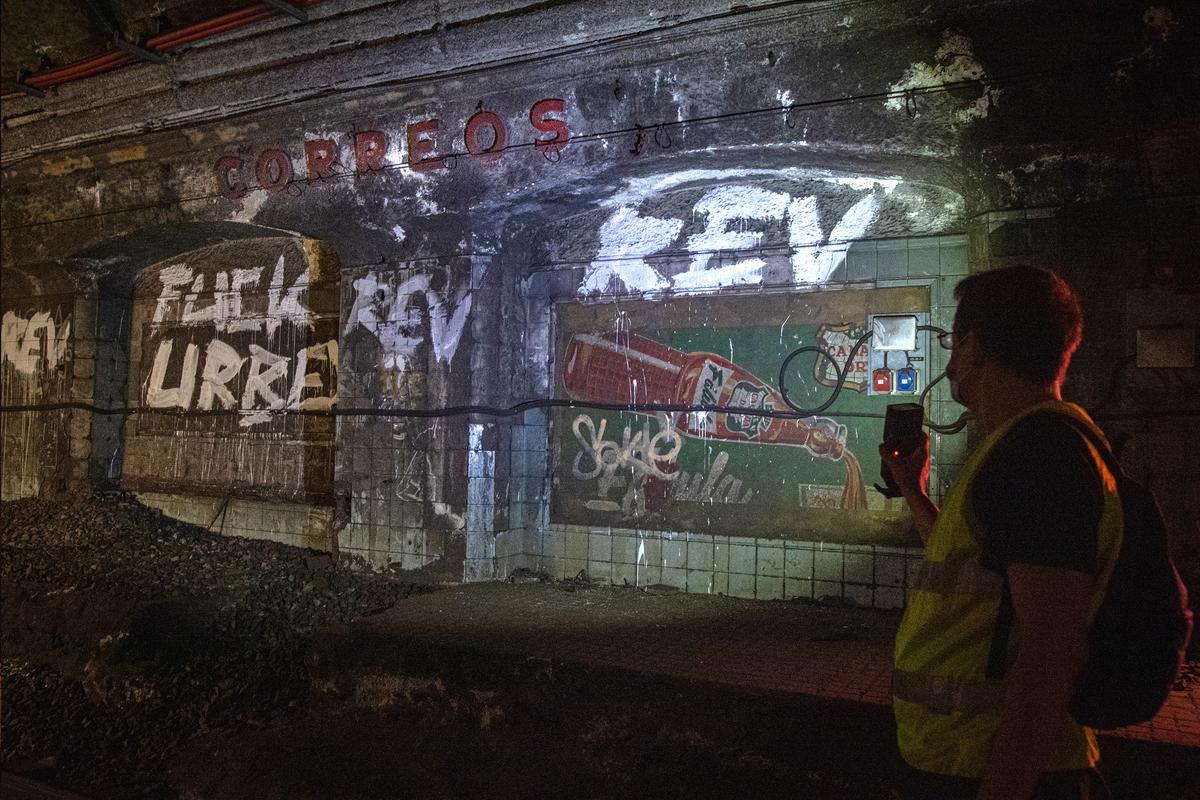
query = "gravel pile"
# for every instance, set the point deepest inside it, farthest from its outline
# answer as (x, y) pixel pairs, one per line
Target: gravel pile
(127, 632)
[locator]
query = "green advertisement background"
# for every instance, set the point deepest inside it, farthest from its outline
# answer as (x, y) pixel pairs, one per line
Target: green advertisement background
(756, 334)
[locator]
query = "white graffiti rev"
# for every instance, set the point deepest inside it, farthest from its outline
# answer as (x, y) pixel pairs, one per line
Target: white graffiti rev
(627, 238)
(24, 349)
(387, 308)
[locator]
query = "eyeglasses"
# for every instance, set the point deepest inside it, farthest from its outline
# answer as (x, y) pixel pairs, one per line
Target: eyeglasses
(950, 339)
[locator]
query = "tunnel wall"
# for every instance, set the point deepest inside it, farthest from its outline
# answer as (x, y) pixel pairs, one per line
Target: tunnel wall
(721, 166)
(49, 358)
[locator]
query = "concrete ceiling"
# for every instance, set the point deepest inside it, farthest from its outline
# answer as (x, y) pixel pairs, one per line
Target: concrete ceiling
(45, 34)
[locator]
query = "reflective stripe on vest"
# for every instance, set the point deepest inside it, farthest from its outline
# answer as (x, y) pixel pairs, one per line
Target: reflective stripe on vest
(944, 695)
(958, 577)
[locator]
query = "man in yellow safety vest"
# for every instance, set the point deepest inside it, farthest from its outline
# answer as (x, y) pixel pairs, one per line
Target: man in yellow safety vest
(1034, 506)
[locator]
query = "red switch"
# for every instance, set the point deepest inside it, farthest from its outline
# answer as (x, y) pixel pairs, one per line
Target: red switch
(881, 380)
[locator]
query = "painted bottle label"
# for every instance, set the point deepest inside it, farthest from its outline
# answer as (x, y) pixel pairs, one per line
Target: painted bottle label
(710, 380)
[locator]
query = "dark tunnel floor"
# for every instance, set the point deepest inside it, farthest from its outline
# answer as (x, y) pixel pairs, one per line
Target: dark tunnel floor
(147, 658)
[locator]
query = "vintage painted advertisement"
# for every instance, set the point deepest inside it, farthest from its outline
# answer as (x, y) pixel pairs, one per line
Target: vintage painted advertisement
(723, 473)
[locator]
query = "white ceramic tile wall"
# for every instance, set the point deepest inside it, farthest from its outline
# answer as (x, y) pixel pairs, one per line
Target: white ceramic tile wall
(875, 576)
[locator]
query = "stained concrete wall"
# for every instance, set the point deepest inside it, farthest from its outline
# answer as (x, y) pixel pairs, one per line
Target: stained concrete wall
(48, 358)
(889, 144)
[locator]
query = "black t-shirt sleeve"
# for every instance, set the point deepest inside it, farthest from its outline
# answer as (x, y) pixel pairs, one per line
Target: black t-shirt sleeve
(1038, 498)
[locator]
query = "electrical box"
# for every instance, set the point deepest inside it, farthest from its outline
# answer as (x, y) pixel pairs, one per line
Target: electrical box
(893, 332)
(896, 353)
(1165, 346)
(906, 380)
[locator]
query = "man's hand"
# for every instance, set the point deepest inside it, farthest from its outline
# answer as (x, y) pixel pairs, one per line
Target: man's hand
(911, 473)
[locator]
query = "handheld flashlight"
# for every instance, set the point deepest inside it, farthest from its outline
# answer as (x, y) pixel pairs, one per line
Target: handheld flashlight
(901, 434)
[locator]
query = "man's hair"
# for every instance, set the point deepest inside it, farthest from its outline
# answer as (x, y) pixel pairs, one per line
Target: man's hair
(1025, 318)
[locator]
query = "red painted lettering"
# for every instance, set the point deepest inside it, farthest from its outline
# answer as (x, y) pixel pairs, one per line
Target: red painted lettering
(321, 155)
(273, 170)
(481, 119)
(226, 167)
(369, 149)
(420, 145)
(540, 119)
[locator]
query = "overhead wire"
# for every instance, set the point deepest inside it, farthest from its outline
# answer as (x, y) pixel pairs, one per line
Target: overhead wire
(797, 412)
(301, 182)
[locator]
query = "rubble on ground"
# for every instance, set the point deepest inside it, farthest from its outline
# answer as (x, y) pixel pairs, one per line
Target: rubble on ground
(126, 632)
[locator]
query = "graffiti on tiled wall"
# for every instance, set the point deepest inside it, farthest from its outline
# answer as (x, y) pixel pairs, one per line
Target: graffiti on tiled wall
(35, 352)
(402, 330)
(252, 343)
(754, 227)
(35, 340)
(233, 341)
(726, 473)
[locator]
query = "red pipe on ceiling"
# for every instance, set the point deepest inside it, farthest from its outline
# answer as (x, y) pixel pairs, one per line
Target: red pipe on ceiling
(170, 39)
(186, 37)
(68, 72)
(113, 59)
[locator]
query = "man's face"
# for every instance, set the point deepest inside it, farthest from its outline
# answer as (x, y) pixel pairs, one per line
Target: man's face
(963, 368)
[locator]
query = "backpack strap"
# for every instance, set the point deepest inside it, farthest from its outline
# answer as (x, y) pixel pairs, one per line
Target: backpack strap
(997, 654)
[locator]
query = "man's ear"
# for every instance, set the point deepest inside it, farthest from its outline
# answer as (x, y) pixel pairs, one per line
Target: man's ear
(975, 354)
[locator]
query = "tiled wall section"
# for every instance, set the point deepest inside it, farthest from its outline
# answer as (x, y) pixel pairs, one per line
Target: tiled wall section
(386, 532)
(939, 263)
(764, 569)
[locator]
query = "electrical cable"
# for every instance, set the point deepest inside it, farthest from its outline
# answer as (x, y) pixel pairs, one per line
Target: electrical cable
(518, 408)
(948, 428)
(842, 372)
(430, 413)
(529, 405)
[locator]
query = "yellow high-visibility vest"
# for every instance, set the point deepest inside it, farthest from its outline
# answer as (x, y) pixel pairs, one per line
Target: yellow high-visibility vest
(947, 711)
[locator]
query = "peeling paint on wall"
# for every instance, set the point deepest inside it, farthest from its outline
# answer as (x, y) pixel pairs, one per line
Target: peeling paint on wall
(953, 62)
(65, 166)
(121, 155)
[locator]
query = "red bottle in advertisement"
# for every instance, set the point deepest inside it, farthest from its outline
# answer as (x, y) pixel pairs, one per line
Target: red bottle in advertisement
(626, 369)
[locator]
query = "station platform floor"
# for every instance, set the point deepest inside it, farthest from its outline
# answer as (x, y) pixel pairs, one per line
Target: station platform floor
(782, 647)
